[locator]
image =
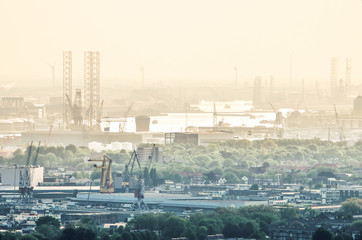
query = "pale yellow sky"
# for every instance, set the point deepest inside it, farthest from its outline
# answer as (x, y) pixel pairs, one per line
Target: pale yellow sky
(181, 40)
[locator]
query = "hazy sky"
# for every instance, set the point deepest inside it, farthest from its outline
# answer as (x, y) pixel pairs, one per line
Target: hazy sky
(194, 40)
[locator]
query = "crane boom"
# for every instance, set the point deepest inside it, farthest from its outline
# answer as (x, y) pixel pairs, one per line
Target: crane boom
(37, 153)
(150, 158)
(106, 184)
(135, 158)
(127, 181)
(272, 106)
(29, 154)
(100, 113)
(69, 102)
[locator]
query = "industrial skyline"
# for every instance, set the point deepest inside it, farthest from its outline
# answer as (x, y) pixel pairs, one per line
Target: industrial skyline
(185, 119)
(176, 43)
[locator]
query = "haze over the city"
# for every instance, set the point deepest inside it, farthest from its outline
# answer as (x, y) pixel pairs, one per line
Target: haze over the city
(180, 40)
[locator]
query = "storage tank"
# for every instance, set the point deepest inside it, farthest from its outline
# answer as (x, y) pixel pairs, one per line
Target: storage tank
(143, 123)
(357, 106)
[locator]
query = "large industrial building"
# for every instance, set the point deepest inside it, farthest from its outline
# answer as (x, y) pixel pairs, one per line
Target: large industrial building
(11, 176)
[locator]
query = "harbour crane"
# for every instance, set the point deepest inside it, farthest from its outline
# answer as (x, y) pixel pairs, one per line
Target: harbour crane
(214, 115)
(128, 174)
(139, 187)
(29, 154)
(150, 158)
(106, 183)
(25, 188)
(76, 111)
(278, 127)
(123, 124)
(139, 204)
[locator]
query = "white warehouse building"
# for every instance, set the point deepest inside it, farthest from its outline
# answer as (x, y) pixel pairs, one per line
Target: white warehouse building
(11, 176)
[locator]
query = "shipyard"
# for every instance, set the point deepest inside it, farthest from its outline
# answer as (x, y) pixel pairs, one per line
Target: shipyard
(160, 120)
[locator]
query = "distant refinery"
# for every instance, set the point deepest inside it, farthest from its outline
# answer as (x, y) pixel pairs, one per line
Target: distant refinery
(266, 109)
(74, 112)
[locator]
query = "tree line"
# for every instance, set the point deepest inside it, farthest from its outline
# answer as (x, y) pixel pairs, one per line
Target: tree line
(230, 160)
(244, 222)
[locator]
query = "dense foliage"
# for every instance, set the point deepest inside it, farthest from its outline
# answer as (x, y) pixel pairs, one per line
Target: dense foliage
(245, 222)
(229, 160)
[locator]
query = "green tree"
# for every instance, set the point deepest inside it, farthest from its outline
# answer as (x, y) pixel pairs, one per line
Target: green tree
(48, 220)
(289, 213)
(254, 187)
(68, 157)
(177, 178)
(344, 236)
(126, 236)
(231, 178)
(28, 237)
(289, 178)
(49, 231)
(68, 234)
(322, 234)
(71, 148)
(247, 230)
(116, 236)
(96, 174)
(87, 223)
(359, 236)
(105, 237)
(39, 236)
(231, 230)
(352, 206)
(174, 227)
(202, 232)
(10, 235)
(269, 145)
(228, 163)
(356, 225)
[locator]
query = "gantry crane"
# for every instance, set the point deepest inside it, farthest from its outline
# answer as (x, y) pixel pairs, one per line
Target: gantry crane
(106, 184)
